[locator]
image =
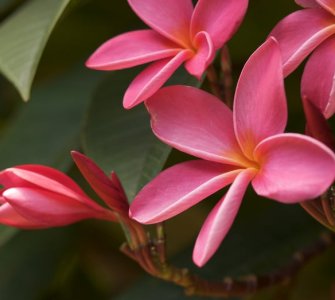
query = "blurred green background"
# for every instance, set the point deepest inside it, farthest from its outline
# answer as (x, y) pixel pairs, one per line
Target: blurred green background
(72, 107)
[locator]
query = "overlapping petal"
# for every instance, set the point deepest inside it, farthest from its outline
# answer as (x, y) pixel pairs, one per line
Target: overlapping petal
(219, 18)
(203, 57)
(260, 103)
(9, 217)
(100, 183)
(307, 3)
(293, 168)
(43, 177)
(328, 5)
(195, 122)
(132, 49)
(152, 78)
(44, 207)
(317, 126)
(171, 18)
(299, 33)
(318, 81)
(178, 188)
(221, 218)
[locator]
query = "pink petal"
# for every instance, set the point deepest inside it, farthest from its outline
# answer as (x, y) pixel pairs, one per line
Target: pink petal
(178, 188)
(293, 168)
(152, 78)
(221, 219)
(9, 217)
(100, 183)
(194, 122)
(43, 177)
(219, 18)
(329, 5)
(132, 49)
(203, 57)
(170, 18)
(300, 32)
(260, 103)
(307, 3)
(49, 209)
(318, 82)
(317, 125)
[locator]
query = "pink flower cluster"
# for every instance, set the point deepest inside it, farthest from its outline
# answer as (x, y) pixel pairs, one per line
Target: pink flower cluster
(246, 145)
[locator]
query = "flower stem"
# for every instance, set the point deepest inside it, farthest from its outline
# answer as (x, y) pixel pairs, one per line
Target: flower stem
(326, 205)
(161, 243)
(226, 76)
(213, 81)
(152, 258)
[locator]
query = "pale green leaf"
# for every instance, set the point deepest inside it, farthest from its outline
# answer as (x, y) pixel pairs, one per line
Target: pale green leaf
(23, 37)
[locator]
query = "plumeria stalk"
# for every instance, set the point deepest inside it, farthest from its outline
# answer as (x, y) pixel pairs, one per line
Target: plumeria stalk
(179, 34)
(239, 147)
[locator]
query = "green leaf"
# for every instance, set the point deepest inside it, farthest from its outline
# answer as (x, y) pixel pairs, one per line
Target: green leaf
(6, 234)
(23, 37)
(29, 262)
(121, 140)
(48, 127)
(264, 237)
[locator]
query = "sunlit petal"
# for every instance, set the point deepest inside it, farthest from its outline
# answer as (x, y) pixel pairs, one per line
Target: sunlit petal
(293, 168)
(260, 103)
(152, 78)
(300, 33)
(220, 19)
(132, 49)
(178, 188)
(194, 122)
(221, 219)
(171, 18)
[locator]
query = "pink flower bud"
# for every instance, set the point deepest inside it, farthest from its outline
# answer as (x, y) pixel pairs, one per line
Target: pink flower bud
(36, 196)
(109, 189)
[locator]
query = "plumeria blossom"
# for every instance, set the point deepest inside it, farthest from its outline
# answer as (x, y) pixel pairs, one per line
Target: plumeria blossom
(180, 33)
(36, 196)
(312, 28)
(239, 147)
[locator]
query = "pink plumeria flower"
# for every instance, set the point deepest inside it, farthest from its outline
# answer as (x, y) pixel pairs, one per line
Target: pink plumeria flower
(298, 35)
(36, 196)
(239, 147)
(180, 34)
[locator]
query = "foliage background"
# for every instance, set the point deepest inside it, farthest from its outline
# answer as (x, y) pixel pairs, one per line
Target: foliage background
(74, 108)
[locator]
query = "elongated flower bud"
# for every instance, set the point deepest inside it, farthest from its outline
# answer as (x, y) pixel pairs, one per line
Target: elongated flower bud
(109, 189)
(36, 196)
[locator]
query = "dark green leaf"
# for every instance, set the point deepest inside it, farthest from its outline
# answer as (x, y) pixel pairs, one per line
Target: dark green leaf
(48, 127)
(122, 140)
(29, 261)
